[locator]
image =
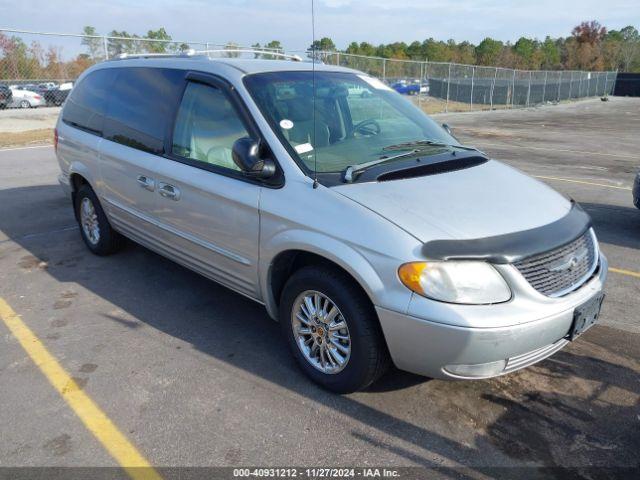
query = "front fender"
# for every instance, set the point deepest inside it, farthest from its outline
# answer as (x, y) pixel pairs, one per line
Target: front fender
(346, 256)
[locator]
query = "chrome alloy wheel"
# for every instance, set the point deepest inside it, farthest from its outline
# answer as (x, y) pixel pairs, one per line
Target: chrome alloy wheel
(321, 332)
(89, 221)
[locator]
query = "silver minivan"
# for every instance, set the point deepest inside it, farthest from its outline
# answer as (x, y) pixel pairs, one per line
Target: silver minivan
(366, 229)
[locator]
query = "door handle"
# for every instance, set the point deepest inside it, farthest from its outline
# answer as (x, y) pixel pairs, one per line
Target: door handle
(168, 191)
(146, 182)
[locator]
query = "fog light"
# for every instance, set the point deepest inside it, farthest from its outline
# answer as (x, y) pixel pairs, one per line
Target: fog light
(478, 370)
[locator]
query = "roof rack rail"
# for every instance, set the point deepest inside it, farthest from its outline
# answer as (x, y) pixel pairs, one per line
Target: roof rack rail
(295, 58)
(191, 53)
(186, 53)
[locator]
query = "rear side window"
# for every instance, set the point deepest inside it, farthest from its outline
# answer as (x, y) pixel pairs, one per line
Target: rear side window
(140, 106)
(86, 105)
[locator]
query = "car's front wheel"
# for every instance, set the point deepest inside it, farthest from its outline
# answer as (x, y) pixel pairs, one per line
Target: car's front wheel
(95, 229)
(25, 104)
(332, 329)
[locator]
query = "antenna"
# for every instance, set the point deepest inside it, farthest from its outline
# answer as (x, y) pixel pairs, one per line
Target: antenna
(313, 85)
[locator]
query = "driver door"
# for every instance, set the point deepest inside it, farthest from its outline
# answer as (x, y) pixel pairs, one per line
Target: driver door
(207, 209)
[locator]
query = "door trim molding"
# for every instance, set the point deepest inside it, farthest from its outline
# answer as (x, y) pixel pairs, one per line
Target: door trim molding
(186, 236)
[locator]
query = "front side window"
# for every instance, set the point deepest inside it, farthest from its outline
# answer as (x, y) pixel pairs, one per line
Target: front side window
(356, 119)
(207, 125)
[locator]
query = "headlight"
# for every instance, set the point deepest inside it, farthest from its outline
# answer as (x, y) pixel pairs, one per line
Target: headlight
(456, 281)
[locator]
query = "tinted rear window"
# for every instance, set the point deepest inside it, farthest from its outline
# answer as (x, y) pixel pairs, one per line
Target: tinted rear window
(86, 105)
(141, 103)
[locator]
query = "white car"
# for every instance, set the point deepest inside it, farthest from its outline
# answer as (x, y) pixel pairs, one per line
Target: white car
(25, 98)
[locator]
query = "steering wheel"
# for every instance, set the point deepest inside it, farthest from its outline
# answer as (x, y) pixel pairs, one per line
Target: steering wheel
(366, 128)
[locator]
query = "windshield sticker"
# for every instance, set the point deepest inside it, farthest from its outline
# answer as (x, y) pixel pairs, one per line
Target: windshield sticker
(303, 148)
(286, 124)
(374, 82)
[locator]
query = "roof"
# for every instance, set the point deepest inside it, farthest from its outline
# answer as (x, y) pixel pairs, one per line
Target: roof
(249, 65)
(245, 65)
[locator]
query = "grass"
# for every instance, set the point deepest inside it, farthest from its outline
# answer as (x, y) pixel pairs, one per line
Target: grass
(40, 136)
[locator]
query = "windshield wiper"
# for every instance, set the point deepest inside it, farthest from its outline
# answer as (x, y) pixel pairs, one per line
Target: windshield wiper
(413, 148)
(420, 143)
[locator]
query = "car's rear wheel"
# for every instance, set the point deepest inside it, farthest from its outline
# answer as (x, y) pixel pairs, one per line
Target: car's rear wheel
(25, 104)
(332, 329)
(95, 229)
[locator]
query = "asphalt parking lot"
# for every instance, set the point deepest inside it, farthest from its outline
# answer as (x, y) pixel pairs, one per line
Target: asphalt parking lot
(194, 374)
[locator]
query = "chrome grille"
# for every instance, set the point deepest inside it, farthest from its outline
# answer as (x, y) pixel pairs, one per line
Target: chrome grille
(559, 271)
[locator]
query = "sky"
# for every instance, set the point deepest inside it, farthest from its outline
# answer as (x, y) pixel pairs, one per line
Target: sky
(376, 21)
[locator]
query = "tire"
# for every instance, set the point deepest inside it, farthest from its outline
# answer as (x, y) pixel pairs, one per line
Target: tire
(368, 358)
(107, 240)
(25, 104)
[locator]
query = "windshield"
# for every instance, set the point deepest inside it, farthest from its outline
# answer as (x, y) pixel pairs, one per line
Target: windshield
(358, 119)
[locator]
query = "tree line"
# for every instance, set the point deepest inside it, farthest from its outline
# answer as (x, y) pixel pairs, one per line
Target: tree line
(589, 47)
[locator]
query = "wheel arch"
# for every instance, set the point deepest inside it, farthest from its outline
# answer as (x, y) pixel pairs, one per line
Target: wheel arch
(334, 254)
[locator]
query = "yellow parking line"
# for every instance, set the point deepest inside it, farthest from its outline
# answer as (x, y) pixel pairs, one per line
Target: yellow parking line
(96, 421)
(582, 181)
(625, 272)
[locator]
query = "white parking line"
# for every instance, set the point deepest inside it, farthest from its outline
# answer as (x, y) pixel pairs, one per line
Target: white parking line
(570, 180)
(13, 149)
(553, 149)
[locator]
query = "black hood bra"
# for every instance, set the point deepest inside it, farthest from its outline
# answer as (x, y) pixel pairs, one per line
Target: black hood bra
(513, 247)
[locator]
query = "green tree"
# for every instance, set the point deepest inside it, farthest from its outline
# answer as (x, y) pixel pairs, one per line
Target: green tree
(159, 34)
(95, 46)
(550, 54)
(525, 49)
(630, 48)
(122, 42)
(319, 47)
(488, 51)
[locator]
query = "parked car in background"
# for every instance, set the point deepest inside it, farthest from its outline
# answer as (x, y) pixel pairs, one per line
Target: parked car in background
(407, 88)
(636, 190)
(5, 96)
(58, 94)
(24, 98)
(48, 85)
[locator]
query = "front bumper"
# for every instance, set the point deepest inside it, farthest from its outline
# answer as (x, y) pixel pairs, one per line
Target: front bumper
(450, 341)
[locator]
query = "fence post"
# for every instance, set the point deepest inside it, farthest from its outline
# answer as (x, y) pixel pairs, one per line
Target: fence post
(529, 89)
(597, 83)
(544, 88)
(106, 49)
(420, 84)
(493, 86)
(580, 86)
(384, 69)
(513, 88)
(473, 75)
(559, 85)
(446, 105)
(338, 58)
(570, 84)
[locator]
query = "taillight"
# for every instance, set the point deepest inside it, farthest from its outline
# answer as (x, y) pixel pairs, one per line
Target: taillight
(55, 139)
(37, 97)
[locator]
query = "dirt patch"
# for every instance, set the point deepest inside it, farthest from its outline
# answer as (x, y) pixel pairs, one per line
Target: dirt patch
(41, 136)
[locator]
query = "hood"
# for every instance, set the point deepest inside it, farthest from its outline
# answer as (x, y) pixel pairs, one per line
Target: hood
(482, 201)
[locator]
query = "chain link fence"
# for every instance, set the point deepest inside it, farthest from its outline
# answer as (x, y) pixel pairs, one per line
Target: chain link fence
(38, 69)
(442, 87)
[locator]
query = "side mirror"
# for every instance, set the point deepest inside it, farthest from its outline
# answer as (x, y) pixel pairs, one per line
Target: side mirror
(246, 155)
